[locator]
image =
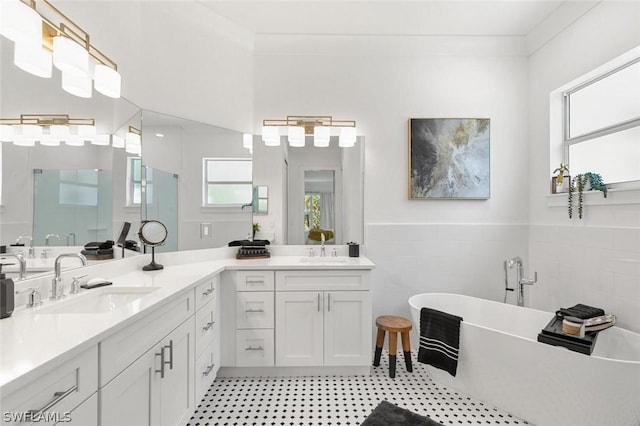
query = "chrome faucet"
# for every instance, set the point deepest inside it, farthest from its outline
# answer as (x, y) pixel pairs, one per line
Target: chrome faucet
(323, 252)
(46, 240)
(57, 286)
(32, 252)
(22, 261)
(517, 261)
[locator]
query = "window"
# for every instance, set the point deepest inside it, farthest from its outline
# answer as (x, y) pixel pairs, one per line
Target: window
(136, 179)
(601, 124)
(311, 211)
(227, 181)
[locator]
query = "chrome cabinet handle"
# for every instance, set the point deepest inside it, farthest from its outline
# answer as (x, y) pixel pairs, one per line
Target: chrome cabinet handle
(208, 326)
(208, 370)
(318, 302)
(329, 302)
(254, 281)
(170, 347)
(251, 348)
(208, 292)
(254, 311)
(162, 362)
(57, 397)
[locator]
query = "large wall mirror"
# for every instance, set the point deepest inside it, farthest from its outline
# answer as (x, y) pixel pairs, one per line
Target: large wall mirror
(312, 192)
(199, 182)
(73, 194)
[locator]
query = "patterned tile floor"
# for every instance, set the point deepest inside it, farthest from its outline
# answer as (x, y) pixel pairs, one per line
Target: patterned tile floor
(339, 400)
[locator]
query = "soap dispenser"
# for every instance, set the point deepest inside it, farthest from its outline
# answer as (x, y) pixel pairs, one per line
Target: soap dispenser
(6, 294)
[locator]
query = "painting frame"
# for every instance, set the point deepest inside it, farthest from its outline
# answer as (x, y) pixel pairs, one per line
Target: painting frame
(449, 158)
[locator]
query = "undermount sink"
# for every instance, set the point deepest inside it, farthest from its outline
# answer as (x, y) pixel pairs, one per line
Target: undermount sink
(326, 260)
(98, 301)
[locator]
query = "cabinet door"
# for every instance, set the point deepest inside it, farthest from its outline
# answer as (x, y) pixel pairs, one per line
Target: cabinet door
(299, 328)
(132, 397)
(86, 414)
(177, 386)
(347, 328)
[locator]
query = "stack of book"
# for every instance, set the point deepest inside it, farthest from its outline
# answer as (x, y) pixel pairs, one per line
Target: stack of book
(578, 326)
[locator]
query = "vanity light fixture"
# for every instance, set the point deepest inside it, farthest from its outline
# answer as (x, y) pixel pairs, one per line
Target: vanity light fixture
(44, 36)
(133, 141)
(321, 127)
(50, 130)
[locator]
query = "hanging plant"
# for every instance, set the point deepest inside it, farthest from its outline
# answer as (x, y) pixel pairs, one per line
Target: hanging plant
(579, 182)
(596, 182)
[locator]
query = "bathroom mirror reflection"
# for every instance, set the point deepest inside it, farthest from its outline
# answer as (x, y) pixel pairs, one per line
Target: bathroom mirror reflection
(201, 178)
(311, 190)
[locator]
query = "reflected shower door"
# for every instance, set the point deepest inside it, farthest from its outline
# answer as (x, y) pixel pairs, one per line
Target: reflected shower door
(77, 201)
(161, 195)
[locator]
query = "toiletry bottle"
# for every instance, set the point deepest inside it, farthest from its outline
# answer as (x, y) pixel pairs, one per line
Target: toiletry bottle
(6, 294)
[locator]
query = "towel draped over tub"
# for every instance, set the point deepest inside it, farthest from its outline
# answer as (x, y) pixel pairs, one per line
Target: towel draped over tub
(439, 339)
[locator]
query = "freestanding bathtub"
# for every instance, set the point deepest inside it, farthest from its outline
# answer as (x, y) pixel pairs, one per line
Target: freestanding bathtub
(502, 363)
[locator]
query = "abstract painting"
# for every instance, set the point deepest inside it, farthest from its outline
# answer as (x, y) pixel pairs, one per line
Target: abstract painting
(449, 158)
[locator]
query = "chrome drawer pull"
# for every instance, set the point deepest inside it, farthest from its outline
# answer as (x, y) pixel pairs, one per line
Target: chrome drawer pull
(251, 348)
(254, 311)
(162, 362)
(170, 347)
(208, 370)
(208, 292)
(255, 281)
(57, 397)
(208, 326)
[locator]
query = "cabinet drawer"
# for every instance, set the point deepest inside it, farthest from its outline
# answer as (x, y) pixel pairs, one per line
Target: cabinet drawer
(323, 280)
(56, 392)
(254, 348)
(254, 280)
(120, 350)
(206, 368)
(206, 326)
(254, 309)
(206, 291)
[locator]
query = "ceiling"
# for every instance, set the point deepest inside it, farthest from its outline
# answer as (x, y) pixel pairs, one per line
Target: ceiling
(379, 17)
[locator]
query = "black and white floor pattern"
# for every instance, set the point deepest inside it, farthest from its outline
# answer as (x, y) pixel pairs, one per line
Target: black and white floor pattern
(339, 400)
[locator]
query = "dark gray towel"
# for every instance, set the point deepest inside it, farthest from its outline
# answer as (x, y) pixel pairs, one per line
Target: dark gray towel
(580, 311)
(439, 339)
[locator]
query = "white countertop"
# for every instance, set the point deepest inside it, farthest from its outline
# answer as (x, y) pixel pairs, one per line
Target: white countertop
(32, 341)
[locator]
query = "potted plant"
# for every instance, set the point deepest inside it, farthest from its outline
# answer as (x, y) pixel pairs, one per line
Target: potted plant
(256, 228)
(558, 183)
(584, 182)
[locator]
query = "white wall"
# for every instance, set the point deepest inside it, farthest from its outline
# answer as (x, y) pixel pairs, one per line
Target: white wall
(595, 260)
(381, 83)
(175, 57)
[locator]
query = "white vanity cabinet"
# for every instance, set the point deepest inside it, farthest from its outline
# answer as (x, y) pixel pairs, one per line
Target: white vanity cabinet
(56, 396)
(323, 318)
(157, 387)
(254, 318)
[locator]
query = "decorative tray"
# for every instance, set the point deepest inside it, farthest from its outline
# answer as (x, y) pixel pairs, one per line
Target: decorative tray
(552, 334)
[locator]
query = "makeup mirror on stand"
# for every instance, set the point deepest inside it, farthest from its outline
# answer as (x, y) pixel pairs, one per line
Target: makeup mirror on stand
(152, 233)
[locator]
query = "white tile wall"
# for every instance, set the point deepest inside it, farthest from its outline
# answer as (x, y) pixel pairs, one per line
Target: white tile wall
(450, 258)
(598, 266)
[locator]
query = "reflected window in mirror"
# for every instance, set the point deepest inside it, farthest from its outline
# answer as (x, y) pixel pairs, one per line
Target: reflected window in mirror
(260, 199)
(136, 179)
(227, 181)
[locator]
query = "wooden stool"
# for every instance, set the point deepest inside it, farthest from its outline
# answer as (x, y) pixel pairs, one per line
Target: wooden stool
(394, 325)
